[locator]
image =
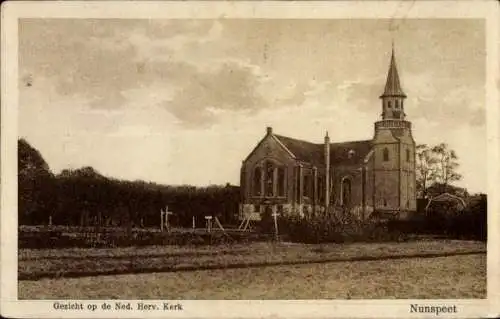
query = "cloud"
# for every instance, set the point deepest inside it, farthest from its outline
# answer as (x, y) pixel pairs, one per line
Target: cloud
(445, 102)
(153, 44)
(108, 65)
(99, 61)
(228, 86)
(362, 94)
(200, 70)
(81, 59)
(436, 101)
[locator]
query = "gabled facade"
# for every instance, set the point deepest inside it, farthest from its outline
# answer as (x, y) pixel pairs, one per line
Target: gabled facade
(287, 175)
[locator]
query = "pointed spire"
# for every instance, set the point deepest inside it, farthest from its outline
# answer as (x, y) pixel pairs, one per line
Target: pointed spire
(393, 85)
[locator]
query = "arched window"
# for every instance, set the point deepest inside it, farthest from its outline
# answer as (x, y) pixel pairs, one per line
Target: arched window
(269, 179)
(346, 192)
(257, 180)
(389, 104)
(385, 202)
(407, 155)
(281, 181)
(397, 104)
(386, 155)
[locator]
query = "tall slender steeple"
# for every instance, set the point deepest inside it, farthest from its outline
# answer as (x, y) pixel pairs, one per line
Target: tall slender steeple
(393, 96)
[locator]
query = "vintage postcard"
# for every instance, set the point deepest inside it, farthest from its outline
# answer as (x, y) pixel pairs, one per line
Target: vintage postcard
(250, 159)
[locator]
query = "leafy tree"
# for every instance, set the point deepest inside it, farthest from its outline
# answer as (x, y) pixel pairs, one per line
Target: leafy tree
(447, 164)
(426, 169)
(436, 170)
(35, 185)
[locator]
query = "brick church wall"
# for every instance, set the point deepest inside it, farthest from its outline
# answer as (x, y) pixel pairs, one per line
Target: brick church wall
(354, 174)
(267, 150)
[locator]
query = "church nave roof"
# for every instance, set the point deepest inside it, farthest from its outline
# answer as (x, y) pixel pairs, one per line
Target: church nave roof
(343, 153)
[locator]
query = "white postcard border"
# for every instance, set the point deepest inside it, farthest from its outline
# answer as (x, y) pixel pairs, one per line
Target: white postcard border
(12, 11)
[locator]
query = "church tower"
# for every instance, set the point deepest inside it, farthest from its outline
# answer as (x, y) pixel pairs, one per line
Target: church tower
(394, 151)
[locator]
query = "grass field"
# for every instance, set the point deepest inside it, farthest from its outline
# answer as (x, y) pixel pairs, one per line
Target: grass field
(436, 278)
(35, 264)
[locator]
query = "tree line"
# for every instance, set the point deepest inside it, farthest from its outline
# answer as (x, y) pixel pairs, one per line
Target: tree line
(85, 197)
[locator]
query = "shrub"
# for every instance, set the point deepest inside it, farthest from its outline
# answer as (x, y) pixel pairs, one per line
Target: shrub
(336, 228)
(470, 223)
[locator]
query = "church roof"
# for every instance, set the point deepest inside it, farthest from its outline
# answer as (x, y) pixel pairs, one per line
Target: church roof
(344, 153)
(303, 150)
(353, 152)
(393, 85)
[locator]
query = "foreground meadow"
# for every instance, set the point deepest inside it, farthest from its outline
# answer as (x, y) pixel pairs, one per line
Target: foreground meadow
(73, 262)
(437, 278)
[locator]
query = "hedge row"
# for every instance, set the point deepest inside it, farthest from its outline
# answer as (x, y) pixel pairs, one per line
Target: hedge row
(467, 225)
(54, 239)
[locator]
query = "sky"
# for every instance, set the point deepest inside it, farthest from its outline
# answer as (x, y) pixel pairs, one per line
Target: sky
(185, 101)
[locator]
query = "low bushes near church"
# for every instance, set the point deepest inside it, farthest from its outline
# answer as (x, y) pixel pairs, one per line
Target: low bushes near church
(448, 222)
(335, 227)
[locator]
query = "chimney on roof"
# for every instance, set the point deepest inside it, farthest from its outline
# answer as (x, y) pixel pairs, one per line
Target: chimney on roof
(269, 130)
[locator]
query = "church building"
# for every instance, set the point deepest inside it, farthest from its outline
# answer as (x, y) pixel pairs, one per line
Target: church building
(374, 176)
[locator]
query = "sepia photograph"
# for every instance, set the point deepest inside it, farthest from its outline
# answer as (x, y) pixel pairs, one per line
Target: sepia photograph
(258, 158)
